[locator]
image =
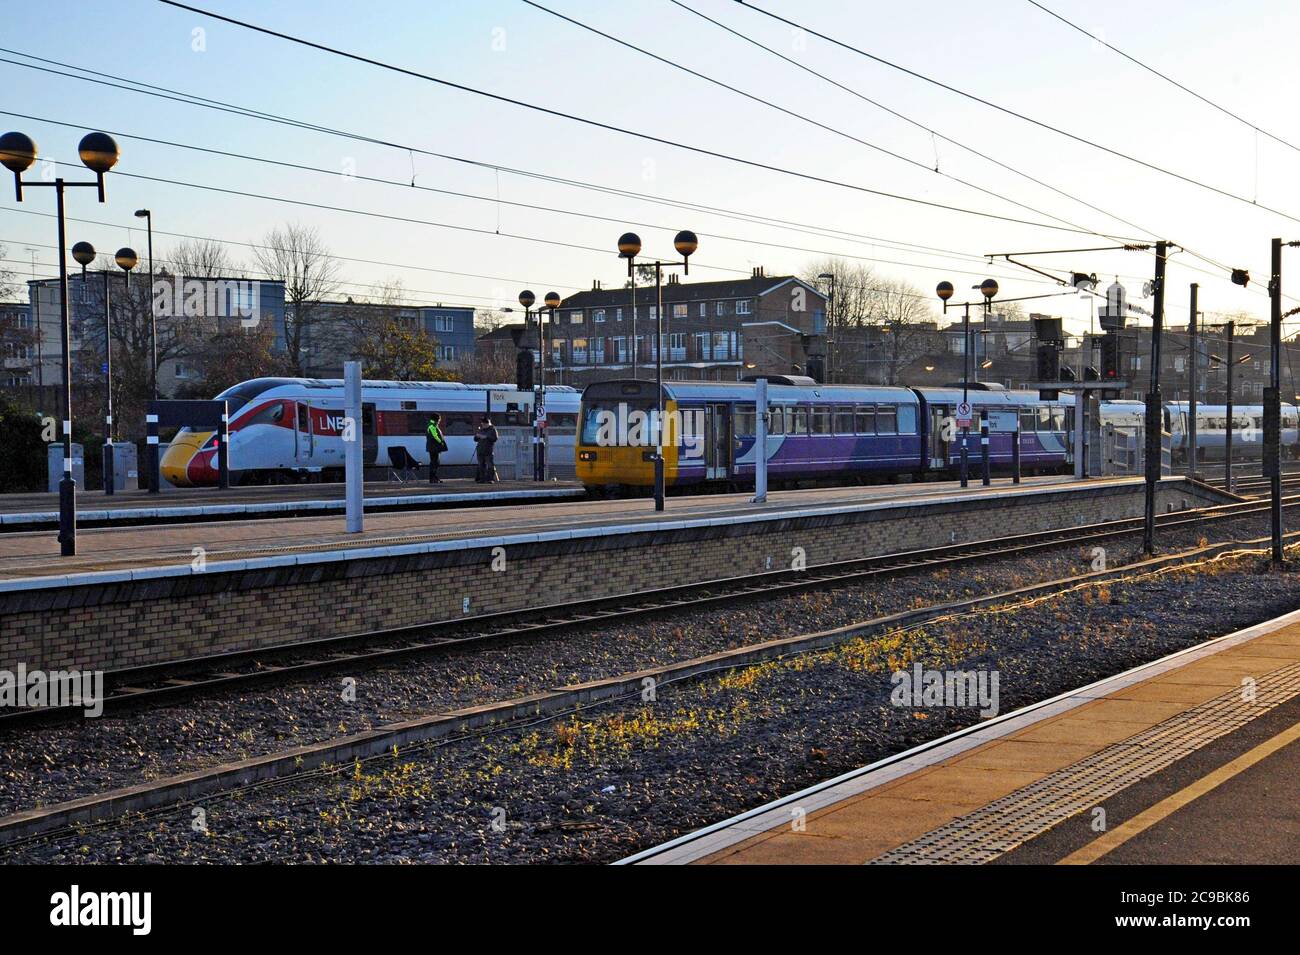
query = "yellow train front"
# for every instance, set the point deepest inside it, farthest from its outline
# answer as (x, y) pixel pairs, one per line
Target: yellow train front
(616, 440)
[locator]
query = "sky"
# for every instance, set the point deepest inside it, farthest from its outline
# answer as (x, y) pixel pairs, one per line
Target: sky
(477, 249)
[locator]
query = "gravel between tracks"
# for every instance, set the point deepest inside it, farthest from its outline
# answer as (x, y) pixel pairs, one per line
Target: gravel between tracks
(60, 762)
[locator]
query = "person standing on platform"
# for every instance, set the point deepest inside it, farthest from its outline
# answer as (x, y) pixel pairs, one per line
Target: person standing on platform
(435, 444)
(485, 439)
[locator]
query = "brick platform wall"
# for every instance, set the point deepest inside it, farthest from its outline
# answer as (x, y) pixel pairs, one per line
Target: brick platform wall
(172, 618)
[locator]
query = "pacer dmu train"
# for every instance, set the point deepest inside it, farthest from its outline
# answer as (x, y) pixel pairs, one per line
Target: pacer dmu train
(816, 432)
(287, 429)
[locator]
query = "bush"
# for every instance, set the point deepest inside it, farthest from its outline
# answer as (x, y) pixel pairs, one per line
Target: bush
(22, 452)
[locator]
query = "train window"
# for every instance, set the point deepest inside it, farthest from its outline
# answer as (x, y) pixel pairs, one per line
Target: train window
(303, 415)
(775, 420)
(1058, 419)
(1028, 420)
(886, 419)
(821, 420)
(843, 420)
(269, 415)
(1044, 419)
(799, 420)
(906, 419)
(458, 422)
(865, 419)
(744, 420)
(560, 422)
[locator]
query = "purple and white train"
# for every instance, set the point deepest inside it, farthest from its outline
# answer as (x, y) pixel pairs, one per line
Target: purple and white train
(816, 432)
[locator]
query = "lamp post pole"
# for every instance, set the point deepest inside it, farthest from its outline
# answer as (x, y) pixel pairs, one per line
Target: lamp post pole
(99, 154)
(629, 246)
(126, 259)
(147, 216)
(988, 288)
(832, 330)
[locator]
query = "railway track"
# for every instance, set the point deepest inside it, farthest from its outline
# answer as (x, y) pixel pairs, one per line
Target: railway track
(165, 683)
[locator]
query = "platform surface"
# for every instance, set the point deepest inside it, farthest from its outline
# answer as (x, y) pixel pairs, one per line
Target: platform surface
(36, 553)
(180, 505)
(1191, 759)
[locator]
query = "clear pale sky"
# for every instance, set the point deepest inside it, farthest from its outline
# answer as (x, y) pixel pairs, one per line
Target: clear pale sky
(1007, 51)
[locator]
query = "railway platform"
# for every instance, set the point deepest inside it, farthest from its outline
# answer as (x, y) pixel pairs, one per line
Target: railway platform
(1190, 759)
(34, 512)
(136, 596)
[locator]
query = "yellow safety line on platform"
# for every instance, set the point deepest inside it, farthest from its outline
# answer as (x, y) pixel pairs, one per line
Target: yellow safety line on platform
(1171, 804)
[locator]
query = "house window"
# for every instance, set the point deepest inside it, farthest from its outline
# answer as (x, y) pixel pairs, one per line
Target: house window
(743, 306)
(720, 308)
(677, 346)
(681, 311)
(575, 317)
(446, 352)
(618, 315)
(580, 351)
(598, 315)
(443, 323)
(598, 351)
(704, 310)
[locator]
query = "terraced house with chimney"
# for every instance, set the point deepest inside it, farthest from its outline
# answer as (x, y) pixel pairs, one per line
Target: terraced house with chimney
(712, 331)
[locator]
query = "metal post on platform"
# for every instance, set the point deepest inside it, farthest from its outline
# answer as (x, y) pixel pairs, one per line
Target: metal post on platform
(151, 452)
(984, 444)
(760, 441)
(1015, 452)
(223, 448)
(1227, 401)
(353, 464)
(965, 394)
(1192, 370)
(1080, 456)
(1273, 405)
(1153, 402)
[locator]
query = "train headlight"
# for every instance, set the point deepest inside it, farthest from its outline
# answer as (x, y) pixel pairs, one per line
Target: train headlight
(586, 455)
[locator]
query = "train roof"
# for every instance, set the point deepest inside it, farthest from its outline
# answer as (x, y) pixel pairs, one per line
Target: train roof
(734, 390)
(988, 399)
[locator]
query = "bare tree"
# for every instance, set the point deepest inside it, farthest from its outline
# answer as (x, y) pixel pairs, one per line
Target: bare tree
(297, 256)
(876, 325)
(202, 259)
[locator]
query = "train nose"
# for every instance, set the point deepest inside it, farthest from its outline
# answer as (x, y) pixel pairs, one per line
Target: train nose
(184, 464)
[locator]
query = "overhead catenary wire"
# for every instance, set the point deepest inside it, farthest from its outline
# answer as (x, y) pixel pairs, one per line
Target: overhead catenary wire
(934, 133)
(623, 221)
(1164, 76)
(1042, 124)
(192, 99)
(611, 127)
(801, 117)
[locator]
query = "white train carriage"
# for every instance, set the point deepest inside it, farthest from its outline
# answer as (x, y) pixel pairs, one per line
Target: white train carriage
(284, 429)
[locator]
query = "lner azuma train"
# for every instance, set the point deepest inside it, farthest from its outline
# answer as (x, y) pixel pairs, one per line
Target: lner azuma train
(1211, 428)
(824, 433)
(290, 429)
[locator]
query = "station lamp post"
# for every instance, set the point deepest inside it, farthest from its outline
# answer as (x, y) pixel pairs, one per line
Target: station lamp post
(147, 216)
(126, 260)
(988, 289)
(99, 154)
(629, 246)
(552, 302)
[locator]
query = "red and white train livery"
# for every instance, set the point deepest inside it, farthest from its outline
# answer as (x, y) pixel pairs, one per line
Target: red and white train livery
(285, 429)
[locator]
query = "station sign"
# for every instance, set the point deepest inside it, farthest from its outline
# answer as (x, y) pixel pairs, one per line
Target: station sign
(963, 414)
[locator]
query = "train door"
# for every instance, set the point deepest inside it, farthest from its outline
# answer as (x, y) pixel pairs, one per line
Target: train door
(717, 442)
(939, 444)
(369, 434)
(305, 439)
